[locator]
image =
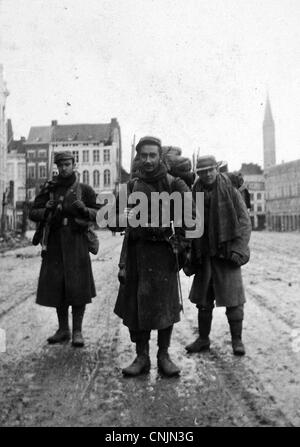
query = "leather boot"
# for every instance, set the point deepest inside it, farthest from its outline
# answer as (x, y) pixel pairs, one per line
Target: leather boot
(164, 363)
(141, 364)
(63, 332)
(236, 337)
(235, 317)
(77, 314)
(202, 343)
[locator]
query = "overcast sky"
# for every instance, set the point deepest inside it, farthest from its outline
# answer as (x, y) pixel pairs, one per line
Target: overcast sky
(193, 72)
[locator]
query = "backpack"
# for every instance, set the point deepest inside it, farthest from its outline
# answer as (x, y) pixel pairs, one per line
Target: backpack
(176, 165)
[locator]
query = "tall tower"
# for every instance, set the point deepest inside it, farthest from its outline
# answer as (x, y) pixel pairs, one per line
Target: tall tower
(3, 139)
(269, 137)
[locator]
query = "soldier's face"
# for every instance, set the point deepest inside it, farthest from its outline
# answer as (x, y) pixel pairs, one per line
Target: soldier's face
(150, 157)
(65, 167)
(208, 176)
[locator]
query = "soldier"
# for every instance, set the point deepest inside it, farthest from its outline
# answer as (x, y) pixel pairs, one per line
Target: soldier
(219, 254)
(66, 277)
(148, 297)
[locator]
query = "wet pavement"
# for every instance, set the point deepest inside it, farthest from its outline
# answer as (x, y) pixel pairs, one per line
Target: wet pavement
(44, 385)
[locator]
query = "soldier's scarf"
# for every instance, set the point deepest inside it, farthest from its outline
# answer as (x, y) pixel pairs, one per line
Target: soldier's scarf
(154, 176)
(223, 224)
(64, 182)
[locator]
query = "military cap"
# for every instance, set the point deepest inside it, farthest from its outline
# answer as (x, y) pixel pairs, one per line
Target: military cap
(66, 155)
(206, 162)
(148, 140)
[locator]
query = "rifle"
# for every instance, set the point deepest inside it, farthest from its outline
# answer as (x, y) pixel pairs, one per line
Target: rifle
(175, 251)
(46, 227)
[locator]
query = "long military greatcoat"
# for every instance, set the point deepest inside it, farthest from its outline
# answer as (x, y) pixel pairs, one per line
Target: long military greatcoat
(66, 274)
(218, 270)
(149, 298)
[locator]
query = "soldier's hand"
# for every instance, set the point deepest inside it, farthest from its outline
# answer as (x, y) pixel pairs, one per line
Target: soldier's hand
(51, 204)
(236, 258)
(78, 205)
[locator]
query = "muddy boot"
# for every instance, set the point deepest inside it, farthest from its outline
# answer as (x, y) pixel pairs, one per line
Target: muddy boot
(164, 363)
(63, 332)
(202, 343)
(141, 364)
(77, 314)
(235, 317)
(236, 337)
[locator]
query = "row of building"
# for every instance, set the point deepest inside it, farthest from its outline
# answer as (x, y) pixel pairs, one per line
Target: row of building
(275, 190)
(26, 164)
(96, 149)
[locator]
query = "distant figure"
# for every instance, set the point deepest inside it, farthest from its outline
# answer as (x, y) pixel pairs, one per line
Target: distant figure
(66, 277)
(219, 254)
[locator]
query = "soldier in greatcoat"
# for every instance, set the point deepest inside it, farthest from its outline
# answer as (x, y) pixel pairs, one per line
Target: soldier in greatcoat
(219, 254)
(148, 297)
(66, 277)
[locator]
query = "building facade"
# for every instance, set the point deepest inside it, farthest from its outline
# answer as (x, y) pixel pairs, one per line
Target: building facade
(283, 197)
(282, 183)
(97, 152)
(37, 159)
(96, 148)
(16, 179)
(255, 183)
(3, 144)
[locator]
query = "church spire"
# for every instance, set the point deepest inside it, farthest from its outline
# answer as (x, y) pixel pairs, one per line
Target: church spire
(269, 136)
(268, 119)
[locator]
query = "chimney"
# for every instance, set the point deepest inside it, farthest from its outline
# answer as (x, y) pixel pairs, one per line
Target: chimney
(53, 123)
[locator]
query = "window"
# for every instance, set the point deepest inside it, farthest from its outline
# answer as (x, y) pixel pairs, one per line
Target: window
(85, 156)
(30, 154)
(42, 153)
(258, 196)
(107, 177)
(251, 196)
(106, 155)
(31, 194)
(96, 179)
(259, 208)
(76, 156)
(31, 171)
(96, 156)
(42, 170)
(86, 177)
(21, 194)
(21, 172)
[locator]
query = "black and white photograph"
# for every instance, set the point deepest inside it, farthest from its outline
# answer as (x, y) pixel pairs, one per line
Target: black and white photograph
(150, 216)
